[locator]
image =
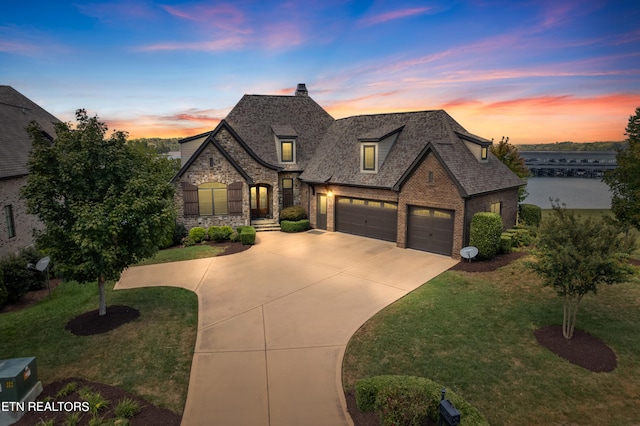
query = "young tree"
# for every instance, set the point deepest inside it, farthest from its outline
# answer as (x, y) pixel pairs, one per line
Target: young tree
(575, 257)
(509, 155)
(624, 180)
(104, 204)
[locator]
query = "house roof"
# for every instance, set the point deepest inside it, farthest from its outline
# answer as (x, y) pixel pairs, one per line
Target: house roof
(16, 112)
(337, 159)
(260, 119)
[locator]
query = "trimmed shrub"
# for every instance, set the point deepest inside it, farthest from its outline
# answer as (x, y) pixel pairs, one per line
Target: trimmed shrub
(484, 234)
(3, 290)
(247, 234)
(235, 237)
(179, 233)
(293, 213)
(295, 226)
(505, 242)
(408, 400)
(18, 278)
(530, 214)
(219, 234)
(197, 234)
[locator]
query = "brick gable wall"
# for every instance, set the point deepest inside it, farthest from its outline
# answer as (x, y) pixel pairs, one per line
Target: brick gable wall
(24, 223)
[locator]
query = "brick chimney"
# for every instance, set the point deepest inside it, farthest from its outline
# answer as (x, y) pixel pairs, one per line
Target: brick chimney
(302, 90)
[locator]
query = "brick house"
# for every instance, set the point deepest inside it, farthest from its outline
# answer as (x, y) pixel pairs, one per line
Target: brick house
(16, 112)
(413, 178)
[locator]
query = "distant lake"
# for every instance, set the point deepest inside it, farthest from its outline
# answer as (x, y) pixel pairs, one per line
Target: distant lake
(576, 193)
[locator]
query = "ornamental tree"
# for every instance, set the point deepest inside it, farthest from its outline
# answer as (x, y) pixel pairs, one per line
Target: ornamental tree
(104, 204)
(576, 256)
(624, 180)
(509, 155)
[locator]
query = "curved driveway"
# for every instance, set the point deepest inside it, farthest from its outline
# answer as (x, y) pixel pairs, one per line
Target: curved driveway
(274, 322)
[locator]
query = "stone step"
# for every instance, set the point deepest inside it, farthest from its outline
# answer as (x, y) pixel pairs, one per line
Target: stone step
(265, 225)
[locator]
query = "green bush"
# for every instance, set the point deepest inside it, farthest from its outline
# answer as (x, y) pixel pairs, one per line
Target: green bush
(408, 400)
(247, 234)
(293, 213)
(530, 214)
(198, 234)
(220, 234)
(179, 233)
(127, 408)
(188, 241)
(485, 232)
(18, 278)
(505, 242)
(3, 290)
(235, 237)
(295, 226)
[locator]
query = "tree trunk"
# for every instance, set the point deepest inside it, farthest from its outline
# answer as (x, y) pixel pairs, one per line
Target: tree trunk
(570, 316)
(103, 305)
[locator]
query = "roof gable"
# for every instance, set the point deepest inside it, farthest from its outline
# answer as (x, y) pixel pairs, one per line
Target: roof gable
(16, 112)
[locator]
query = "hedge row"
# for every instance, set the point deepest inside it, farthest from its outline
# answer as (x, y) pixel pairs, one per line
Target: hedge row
(219, 234)
(295, 226)
(409, 400)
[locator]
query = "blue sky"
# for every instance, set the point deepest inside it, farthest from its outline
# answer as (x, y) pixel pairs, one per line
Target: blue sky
(536, 71)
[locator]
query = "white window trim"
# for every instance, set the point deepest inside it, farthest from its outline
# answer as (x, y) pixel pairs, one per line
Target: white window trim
(376, 156)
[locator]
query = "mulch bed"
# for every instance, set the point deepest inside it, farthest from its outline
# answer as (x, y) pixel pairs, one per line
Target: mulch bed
(582, 349)
(90, 323)
(488, 265)
(230, 247)
(148, 415)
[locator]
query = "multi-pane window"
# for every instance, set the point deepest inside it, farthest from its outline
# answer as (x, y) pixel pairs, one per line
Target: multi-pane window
(369, 157)
(11, 226)
(212, 199)
(286, 148)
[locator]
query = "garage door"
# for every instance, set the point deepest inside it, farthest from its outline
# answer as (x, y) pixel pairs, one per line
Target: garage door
(369, 218)
(430, 230)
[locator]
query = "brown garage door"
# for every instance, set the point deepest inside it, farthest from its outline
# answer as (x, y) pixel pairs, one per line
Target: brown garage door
(369, 218)
(430, 230)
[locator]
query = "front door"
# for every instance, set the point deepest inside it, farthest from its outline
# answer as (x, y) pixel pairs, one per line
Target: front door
(260, 201)
(321, 212)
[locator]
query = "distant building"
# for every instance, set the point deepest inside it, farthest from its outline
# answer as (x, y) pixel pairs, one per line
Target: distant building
(16, 112)
(586, 164)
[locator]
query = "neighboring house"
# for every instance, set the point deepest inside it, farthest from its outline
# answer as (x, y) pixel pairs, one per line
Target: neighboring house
(414, 178)
(16, 112)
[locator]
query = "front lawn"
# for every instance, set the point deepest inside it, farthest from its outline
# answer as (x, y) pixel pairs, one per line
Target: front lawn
(150, 357)
(473, 333)
(183, 253)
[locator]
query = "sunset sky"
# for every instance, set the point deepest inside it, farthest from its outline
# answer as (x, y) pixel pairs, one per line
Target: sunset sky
(537, 71)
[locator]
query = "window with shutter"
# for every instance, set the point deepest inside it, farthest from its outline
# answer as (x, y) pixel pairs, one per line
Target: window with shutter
(190, 198)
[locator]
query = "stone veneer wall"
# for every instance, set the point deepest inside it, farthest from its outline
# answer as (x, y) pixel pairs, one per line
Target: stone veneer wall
(223, 171)
(24, 223)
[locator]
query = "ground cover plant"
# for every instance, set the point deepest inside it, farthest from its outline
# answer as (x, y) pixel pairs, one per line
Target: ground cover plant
(149, 357)
(475, 334)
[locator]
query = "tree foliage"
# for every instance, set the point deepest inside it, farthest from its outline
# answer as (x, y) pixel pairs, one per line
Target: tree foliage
(105, 204)
(509, 155)
(624, 180)
(575, 257)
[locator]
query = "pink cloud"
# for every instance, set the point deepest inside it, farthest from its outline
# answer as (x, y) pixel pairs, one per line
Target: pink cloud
(230, 43)
(223, 16)
(392, 15)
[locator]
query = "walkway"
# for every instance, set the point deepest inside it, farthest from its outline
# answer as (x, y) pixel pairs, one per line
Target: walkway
(274, 322)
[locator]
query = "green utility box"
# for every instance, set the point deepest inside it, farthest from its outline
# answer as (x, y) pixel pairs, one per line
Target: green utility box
(17, 377)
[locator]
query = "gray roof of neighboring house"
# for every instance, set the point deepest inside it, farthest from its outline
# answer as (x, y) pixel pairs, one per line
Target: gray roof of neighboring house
(258, 119)
(337, 158)
(16, 112)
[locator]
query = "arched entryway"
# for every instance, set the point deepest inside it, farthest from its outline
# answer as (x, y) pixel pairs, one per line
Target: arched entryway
(261, 196)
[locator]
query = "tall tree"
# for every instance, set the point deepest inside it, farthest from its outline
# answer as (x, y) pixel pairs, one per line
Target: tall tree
(105, 205)
(509, 155)
(624, 180)
(575, 257)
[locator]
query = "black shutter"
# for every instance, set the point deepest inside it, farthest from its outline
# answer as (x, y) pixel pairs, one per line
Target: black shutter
(190, 198)
(234, 198)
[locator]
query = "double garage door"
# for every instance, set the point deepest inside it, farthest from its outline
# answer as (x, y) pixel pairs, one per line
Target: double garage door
(369, 218)
(428, 229)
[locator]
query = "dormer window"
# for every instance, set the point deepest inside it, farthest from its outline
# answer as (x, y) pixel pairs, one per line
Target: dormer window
(369, 155)
(287, 151)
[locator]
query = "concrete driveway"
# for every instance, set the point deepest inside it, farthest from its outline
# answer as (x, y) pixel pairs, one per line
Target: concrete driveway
(274, 322)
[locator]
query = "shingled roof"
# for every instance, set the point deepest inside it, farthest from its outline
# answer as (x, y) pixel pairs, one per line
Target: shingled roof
(258, 119)
(16, 112)
(337, 158)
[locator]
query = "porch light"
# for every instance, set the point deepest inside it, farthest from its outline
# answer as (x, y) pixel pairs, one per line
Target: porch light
(330, 193)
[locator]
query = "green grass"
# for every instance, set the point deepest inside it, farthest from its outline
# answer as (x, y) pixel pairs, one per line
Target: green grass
(473, 333)
(150, 357)
(184, 253)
